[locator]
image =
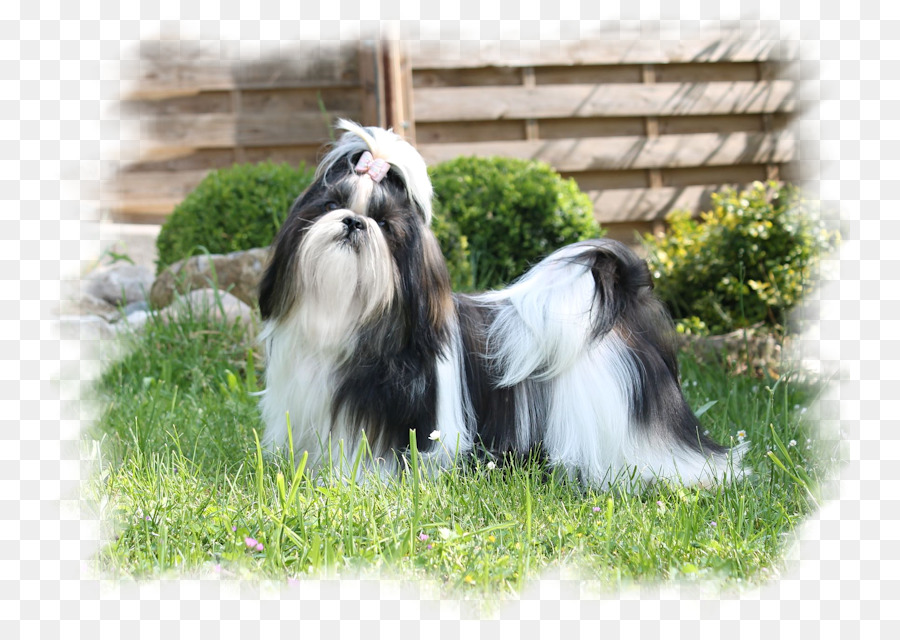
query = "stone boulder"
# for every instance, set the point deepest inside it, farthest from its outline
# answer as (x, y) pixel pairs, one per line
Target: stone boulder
(239, 273)
(202, 301)
(754, 350)
(118, 284)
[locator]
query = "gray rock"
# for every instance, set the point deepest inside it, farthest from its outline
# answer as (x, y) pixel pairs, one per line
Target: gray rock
(136, 319)
(141, 305)
(93, 328)
(87, 305)
(753, 349)
(119, 284)
(238, 273)
(202, 301)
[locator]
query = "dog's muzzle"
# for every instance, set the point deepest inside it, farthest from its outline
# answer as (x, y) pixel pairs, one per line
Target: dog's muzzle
(354, 231)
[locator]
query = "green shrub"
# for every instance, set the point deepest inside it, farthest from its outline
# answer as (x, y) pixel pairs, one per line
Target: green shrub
(232, 209)
(496, 216)
(748, 261)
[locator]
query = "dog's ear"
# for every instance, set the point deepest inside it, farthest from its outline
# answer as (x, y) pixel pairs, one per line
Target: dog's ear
(621, 280)
(440, 299)
(624, 295)
(427, 302)
(276, 295)
(274, 292)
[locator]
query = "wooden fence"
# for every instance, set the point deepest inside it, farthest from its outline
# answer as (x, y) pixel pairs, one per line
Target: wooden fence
(198, 112)
(642, 127)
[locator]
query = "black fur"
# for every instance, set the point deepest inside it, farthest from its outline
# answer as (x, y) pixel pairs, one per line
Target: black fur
(388, 385)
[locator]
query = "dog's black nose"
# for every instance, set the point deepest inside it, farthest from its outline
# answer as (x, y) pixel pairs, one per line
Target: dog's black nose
(354, 224)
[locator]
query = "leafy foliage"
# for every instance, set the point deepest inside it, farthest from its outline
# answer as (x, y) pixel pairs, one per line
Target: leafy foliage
(749, 260)
(496, 216)
(232, 209)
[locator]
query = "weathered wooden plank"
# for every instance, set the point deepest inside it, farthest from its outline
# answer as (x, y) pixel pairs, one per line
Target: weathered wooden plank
(714, 124)
(153, 186)
(149, 211)
(709, 72)
(729, 47)
(588, 74)
(630, 232)
(643, 205)
(631, 152)
(179, 68)
(204, 130)
(274, 101)
(446, 132)
(567, 101)
(564, 128)
(597, 74)
(467, 77)
(710, 174)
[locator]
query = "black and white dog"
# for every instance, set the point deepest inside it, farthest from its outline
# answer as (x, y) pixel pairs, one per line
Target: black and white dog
(365, 341)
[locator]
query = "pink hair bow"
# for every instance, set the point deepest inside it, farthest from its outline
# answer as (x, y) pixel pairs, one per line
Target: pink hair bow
(377, 168)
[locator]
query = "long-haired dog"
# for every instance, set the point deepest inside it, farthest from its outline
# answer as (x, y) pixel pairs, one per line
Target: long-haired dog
(365, 341)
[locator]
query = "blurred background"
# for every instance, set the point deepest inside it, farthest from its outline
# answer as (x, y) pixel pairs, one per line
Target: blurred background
(644, 127)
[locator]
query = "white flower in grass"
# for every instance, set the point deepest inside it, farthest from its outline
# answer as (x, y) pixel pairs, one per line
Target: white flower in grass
(491, 465)
(792, 443)
(434, 435)
(446, 533)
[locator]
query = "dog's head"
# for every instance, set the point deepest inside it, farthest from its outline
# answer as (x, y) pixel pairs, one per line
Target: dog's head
(356, 245)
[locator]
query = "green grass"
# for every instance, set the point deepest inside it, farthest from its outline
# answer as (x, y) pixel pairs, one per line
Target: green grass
(184, 487)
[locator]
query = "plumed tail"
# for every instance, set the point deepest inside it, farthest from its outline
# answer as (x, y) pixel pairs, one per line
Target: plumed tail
(585, 326)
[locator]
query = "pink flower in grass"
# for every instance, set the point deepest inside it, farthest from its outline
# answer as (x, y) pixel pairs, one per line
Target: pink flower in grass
(253, 543)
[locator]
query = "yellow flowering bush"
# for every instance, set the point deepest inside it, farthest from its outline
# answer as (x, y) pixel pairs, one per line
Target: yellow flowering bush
(749, 260)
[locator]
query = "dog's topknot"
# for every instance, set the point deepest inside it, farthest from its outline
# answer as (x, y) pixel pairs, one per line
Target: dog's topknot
(387, 145)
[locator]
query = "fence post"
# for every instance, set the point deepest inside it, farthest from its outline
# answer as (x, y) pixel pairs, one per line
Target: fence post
(398, 90)
(372, 83)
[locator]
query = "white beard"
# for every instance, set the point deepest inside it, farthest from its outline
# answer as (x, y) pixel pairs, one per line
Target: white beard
(341, 286)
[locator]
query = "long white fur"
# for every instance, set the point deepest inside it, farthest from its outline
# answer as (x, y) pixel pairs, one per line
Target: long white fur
(542, 331)
(341, 288)
(455, 417)
(545, 322)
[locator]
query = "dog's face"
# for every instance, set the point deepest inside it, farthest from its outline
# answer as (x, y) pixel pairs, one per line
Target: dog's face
(354, 249)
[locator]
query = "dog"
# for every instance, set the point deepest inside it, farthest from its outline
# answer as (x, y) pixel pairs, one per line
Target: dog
(365, 342)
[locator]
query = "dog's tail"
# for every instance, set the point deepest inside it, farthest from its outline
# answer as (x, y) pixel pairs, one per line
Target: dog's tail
(585, 321)
(572, 298)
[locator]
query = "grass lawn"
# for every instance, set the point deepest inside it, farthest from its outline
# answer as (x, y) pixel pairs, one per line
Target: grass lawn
(185, 489)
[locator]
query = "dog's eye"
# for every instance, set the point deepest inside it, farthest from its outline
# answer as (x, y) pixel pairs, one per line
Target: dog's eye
(331, 205)
(384, 225)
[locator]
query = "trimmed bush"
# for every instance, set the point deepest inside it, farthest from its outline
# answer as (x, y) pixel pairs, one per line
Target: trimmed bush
(232, 209)
(496, 216)
(748, 261)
